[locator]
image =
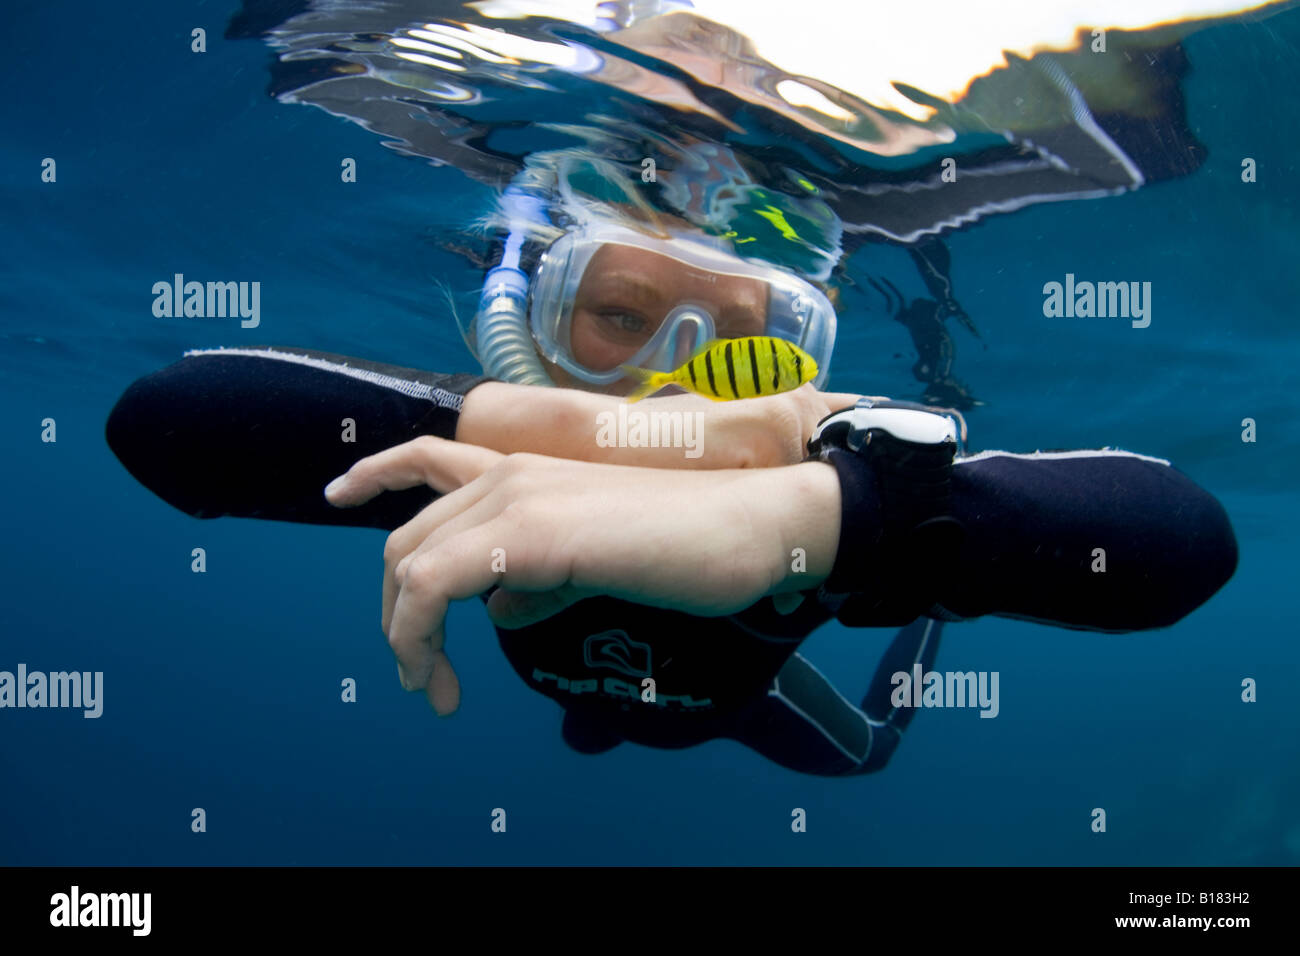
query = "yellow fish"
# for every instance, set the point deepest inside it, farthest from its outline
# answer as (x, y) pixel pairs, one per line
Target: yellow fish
(726, 369)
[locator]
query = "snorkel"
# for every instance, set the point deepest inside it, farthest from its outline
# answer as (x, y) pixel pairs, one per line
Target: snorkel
(504, 341)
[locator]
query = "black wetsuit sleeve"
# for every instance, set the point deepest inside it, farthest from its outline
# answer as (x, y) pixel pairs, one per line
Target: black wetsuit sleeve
(259, 432)
(1095, 540)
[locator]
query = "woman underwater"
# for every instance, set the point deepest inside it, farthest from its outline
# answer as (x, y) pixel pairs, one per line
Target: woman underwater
(659, 598)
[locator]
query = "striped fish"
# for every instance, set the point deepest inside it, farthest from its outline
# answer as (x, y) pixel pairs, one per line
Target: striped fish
(727, 369)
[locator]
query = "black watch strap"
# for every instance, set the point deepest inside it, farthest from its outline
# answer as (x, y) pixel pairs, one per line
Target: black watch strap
(898, 538)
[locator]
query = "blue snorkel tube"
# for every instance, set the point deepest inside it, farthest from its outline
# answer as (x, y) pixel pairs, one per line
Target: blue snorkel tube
(503, 338)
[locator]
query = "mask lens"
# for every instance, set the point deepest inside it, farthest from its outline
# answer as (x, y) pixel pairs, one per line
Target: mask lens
(632, 300)
(608, 296)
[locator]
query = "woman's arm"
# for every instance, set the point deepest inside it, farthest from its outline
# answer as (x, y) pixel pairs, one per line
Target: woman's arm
(564, 423)
(548, 532)
(257, 432)
(1099, 540)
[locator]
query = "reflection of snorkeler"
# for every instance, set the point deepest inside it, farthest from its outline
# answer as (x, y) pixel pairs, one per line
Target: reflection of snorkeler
(925, 320)
(935, 265)
(615, 574)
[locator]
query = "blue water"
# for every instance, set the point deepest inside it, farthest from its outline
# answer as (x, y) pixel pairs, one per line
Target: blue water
(222, 689)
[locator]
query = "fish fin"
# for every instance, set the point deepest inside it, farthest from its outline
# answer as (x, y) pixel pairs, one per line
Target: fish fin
(651, 382)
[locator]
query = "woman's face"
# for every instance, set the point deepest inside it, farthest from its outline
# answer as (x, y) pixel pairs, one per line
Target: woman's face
(626, 293)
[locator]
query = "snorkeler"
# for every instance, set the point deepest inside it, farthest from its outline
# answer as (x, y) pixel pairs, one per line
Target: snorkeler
(681, 573)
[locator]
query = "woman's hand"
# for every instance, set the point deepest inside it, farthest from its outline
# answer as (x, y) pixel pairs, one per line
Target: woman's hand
(565, 423)
(550, 532)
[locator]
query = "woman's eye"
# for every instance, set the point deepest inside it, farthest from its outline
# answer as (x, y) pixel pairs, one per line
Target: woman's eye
(626, 322)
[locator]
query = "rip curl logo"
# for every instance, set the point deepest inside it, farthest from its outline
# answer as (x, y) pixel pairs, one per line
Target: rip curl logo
(616, 651)
(620, 690)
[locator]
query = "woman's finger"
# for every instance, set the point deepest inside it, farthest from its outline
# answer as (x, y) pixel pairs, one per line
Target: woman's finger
(442, 465)
(458, 568)
(459, 512)
(407, 539)
(443, 689)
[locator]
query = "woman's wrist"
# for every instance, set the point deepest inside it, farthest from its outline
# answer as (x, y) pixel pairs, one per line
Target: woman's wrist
(802, 502)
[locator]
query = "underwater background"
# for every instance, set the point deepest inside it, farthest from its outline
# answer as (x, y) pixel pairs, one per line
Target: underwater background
(222, 690)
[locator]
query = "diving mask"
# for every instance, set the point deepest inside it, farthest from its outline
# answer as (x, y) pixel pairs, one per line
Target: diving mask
(607, 296)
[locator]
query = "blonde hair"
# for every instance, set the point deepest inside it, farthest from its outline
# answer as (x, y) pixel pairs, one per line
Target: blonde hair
(561, 180)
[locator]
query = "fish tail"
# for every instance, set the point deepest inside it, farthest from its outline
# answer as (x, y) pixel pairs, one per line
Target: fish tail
(651, 382)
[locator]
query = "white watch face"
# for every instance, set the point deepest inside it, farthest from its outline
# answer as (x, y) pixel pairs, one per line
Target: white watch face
(907, 424)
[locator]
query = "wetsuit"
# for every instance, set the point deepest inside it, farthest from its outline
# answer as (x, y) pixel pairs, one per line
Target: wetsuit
(256, 433)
